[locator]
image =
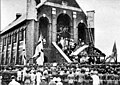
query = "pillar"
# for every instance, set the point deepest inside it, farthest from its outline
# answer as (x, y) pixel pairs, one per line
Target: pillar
(50, 34)
(31, 10)
(75, 29)
(54, 23)
(6, 49)
(1, 55)
(11, 49)
(17, 48)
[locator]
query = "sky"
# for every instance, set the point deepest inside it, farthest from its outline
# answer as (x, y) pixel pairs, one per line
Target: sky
(107, 20)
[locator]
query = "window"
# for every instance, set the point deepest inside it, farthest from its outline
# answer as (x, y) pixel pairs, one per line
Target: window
(9, 39)
(21, 35)
(4, 41)
(14, 37)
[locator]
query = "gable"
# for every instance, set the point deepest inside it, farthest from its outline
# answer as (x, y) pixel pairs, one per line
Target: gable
(72, 3)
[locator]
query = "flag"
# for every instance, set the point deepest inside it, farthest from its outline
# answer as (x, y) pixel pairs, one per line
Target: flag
(24, 52)
(114, 52)
(39, 54)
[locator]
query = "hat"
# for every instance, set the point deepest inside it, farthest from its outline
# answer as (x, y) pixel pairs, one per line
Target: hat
(58, 79)
(12, 77)
(43, 77)
(91, 71)
(45, 72)
(54, 64)
(95, 72)
(54, 79)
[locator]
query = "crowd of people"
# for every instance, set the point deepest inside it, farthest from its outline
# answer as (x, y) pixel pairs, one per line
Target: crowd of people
(69, 46)
(66, 74)
(76, 73)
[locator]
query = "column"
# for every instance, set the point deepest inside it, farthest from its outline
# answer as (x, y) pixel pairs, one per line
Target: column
(6, 49)
(1, 55)
(11, 49)
(17, 47)
(50, 34)
(75, 29)
(54, 31)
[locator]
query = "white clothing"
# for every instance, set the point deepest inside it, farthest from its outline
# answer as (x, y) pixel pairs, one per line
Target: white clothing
(0, 80)
(62, 42)
(33, 77)
(38, 77)
(59, 83)
(13, 82)
(96, 80)
(19, 74)
(24, 73)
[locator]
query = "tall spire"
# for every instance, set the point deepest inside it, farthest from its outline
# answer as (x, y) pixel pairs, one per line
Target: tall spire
(114, 52)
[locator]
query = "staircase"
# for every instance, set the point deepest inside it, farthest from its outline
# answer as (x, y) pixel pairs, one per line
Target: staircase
(61, 52)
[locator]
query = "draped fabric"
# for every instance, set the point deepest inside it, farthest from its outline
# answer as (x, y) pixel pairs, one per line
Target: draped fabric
(39, 54)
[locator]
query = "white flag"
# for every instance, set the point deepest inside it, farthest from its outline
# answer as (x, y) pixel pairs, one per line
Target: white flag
(39, 52)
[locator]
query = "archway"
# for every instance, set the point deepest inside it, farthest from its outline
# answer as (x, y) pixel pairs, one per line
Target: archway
(63, 26)
(82, 32)
(44, 30)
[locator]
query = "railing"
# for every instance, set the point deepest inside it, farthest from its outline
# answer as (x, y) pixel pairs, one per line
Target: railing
(61, 52)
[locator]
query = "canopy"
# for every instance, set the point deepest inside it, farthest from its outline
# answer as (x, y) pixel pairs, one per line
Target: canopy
(79, 50)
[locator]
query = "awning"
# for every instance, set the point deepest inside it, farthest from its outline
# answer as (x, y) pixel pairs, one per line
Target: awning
(79, 50)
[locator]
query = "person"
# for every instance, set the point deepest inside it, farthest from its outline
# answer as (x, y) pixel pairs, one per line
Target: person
(0, 79)
(59, 81)
(27, 78)
(38, 77)
(81, 77)
(24, 73)
(19, 75)
(71, 78)
(62, 42)
(33, 77)
(43, 82)
(13, 82)
(95, 78)
(52, 81)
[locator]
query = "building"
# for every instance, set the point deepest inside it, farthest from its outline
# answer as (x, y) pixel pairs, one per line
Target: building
(51, 18)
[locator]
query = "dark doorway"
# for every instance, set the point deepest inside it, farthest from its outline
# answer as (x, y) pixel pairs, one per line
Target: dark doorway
(82, 32)
(63, 26)
(44, 30)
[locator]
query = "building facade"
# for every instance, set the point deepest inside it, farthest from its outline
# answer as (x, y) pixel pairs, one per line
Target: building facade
(52, 19)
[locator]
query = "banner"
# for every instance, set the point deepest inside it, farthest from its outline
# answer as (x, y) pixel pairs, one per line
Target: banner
(90, 19)
(39, 54)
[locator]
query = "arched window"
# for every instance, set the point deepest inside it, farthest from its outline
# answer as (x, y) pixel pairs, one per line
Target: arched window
(63, 25)
(82, 32)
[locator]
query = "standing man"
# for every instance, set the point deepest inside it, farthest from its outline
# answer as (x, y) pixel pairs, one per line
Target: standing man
(0, 79)
(95, 77)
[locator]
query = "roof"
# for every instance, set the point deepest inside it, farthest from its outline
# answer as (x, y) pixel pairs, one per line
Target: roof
(15, 22)
(72, 4)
